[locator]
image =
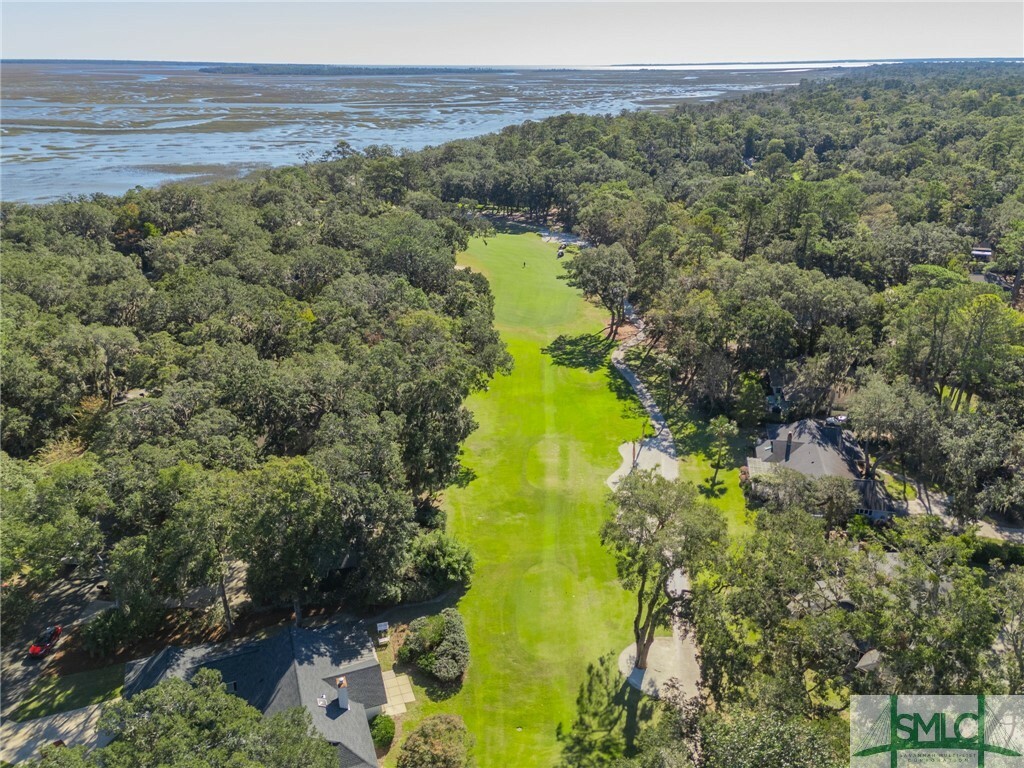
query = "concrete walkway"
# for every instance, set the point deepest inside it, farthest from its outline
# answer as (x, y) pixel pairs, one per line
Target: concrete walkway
(670, 658)
(563, 238)
(22, 741)
(659, 451)
(398, 689)
(651, 455)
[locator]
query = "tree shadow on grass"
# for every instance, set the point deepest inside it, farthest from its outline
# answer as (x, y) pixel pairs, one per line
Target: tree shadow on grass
(690, 427)
(503, 226)
(464, 476)
(588, 351)
(631, 405)
(709, 491)
(434, 688)
(610, 714)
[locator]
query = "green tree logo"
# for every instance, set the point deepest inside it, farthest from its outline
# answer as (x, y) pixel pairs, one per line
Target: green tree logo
(937, 731)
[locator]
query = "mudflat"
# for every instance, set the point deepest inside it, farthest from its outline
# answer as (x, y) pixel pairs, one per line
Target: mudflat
(84, 127)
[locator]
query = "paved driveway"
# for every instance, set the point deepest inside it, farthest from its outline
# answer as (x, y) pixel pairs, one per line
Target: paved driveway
(22, 741)
(986, 529)
(62, 604)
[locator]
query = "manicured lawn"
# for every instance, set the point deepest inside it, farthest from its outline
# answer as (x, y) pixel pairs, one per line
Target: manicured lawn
(696, 465)
(52, 694)
(694, 446)
(544, 602)
(896, 487)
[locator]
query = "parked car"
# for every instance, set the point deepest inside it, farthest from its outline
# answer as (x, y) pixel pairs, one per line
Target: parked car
(45, 642)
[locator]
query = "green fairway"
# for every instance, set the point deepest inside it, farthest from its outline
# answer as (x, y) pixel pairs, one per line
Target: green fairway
(544, 602)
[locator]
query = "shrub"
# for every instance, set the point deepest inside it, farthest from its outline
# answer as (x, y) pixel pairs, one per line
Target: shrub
(438, 562)
(424, 633)
(438, 645)
(115, 629)
(992, 549)
(102, 635)
(757, 739)
(382, 729)
(441, 741)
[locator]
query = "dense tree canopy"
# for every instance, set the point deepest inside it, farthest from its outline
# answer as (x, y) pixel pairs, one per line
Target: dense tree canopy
(270, 371)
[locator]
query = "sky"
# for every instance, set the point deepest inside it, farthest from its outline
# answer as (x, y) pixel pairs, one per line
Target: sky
(511, 33)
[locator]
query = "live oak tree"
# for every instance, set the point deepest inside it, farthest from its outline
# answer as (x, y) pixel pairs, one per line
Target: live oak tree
(835, 499)
(201, 535)
(1011, 257)
(288, 533)
(51, 512)
(758, 738)
(658, 531)
(1009, 602)
(769, 621)
(605, 273)
(819, 377)
(765, 334)
(878, 418)
(926, 609)
(688, 734)
(981, 455)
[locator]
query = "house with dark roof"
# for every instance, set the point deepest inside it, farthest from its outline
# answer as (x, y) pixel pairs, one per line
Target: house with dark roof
(817, 449)
(331, 671)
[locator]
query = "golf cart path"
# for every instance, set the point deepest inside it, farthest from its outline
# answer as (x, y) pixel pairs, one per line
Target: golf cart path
(657, 452)
(670, 658)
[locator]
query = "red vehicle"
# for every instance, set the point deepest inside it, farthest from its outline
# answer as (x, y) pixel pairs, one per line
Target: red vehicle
(44, 644)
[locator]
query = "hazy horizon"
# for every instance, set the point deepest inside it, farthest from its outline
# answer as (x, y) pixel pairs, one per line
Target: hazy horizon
(821, 63)
(494, 34)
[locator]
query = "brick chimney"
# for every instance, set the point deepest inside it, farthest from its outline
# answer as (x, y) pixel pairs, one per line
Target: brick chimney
(342, 685)
(789, 443)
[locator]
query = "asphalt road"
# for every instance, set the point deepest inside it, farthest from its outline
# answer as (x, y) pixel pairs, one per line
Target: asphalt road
(62, 604)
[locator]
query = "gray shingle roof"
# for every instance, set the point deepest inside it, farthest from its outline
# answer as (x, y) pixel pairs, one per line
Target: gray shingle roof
(358, 757)
(289, 669)
(817, 450)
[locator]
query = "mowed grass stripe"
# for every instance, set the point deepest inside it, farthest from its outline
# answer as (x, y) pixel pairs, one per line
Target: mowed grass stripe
(544, 602)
